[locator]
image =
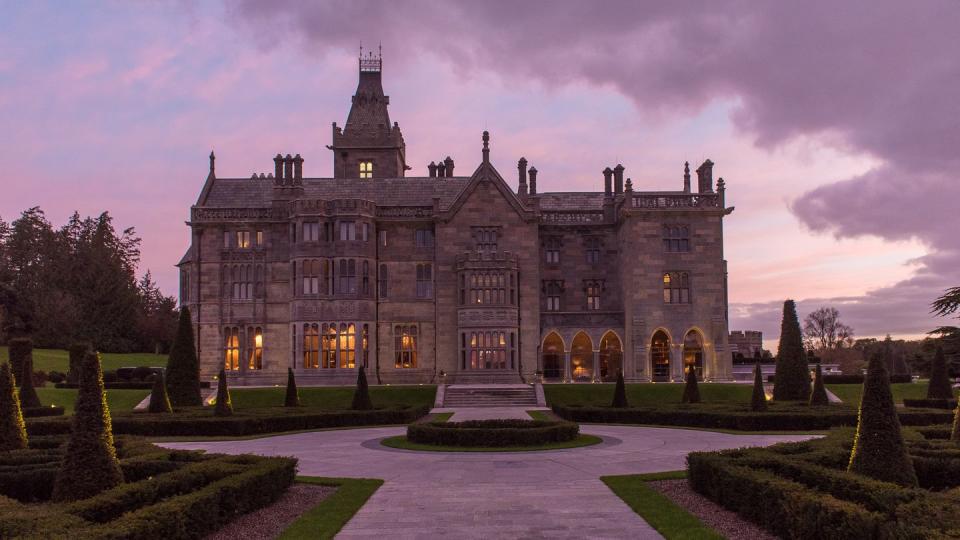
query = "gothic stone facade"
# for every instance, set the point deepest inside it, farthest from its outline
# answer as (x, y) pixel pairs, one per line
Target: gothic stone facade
(446, 278)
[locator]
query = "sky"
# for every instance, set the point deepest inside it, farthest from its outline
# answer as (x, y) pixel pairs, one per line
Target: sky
(836, 126)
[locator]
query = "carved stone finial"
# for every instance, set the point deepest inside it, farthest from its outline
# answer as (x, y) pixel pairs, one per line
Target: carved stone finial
(212, 159)
(629, 185)
(486, 146)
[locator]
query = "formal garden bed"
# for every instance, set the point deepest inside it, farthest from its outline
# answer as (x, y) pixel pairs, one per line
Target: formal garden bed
(438, 435)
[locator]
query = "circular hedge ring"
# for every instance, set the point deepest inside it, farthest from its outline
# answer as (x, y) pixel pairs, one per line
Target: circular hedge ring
(492, 433)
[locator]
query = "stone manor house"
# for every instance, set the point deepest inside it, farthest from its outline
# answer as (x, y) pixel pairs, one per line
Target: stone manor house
(452, 278)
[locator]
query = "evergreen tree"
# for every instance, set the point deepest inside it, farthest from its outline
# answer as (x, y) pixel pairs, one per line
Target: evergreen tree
(183, 369)
(691, 392)
(939, 387)
(620, 392)
(792, 379)
(224, 406)
(20, 349)
(159, 401)
(90, 463)
(361, 396)
(13, 431)
(878, 448)
(77, 351)
(818, 397)
(292, 399)
(758, 401)
(28, 394)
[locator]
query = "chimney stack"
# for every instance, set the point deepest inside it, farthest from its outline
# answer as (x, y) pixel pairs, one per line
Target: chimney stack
(686, 177)
(298, 167)
(448, 166)
(441, 169)
(618, 179)
(522, 175)
(705, 177)
(533, 180)
(432, 167)
(278, 167)
(607, 185)
(288, 167)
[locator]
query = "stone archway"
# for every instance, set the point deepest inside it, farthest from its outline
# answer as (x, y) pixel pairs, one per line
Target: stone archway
(693, 353)
(581, 358)
(611, 356)
(660, 356)
(552, 355)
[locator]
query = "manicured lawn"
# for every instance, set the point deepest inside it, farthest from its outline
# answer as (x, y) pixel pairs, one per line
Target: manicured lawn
(401, 441)
(440, 418)
(327, 518)
(542, 415)
(58, 360)
(642, 393)
(660, 512)
(117, 400)
(850, 393)
(334, 397)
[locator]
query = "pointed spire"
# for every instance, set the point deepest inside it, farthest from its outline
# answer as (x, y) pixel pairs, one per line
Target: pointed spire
(486, 146)
(686, 177)
(212, 173)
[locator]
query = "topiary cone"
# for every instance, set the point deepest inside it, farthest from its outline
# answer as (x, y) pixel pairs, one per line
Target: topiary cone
(90, 463)
(183, 369)
(940, 386)
(758, 400)
(292, 399)
(620, 392)
(818, 397)
(28, 394)
(159, 401)
(691, 392)
(13, 430)
(361, 396)
(224, 406)
(792, 379)
(878, 448)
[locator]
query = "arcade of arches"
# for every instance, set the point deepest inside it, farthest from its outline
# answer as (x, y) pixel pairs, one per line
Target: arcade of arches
(586, 362)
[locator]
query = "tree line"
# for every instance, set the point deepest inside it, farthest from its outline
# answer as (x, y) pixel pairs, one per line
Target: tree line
(79, 283)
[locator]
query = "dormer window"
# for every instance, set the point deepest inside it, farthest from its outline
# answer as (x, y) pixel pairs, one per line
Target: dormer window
(366, 169)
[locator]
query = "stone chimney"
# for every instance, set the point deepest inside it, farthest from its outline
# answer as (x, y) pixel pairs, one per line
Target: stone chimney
(432, 167)
(618, 179)
(448, 166)
(533, 180)
(705, 177)
(288, 167)
(441, 169)
(278, 166)
(522, 176)
(298, 167)
(607, 185)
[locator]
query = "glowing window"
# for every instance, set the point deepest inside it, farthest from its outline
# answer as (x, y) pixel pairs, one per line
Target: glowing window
(366, 169)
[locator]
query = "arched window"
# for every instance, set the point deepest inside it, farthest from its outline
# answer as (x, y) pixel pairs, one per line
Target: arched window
(676, 288)
(611, 356)
(311, 346)
(581, 358)
(348, 345)
(552, 357)
(231, 348)
(366, 169)
(660, 356)
(255, 348)
(329, 343)
(693, 353)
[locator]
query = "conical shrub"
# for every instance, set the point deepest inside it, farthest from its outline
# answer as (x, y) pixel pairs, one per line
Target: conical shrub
(878, 448)
(361, 396)
(77, 351)
(792, 379)
(28, 394)
(620, 392)
(224, 406)
(292, 399)
(159, 400)
(691, 392)
(13, 431)
(90, 463)
(955, 434)
(758, 400)
(19, 349)
(183, 369)
(818, 397)
(939, 387)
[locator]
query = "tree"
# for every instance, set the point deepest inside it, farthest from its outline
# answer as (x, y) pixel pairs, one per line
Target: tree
(819, 398)
(20, 349)
(159, 401)
(77, 351)
(758, 400)
(691, 392)
(292, 399)
(939, 387)
(90, 463)
(825, 331)
(28, 394)
(955, 434)
(620, 392)
(791, 382)
(224, 405)
(896, 360)
(183, 369)
(878, 448)
(361, 396)
(13, 431)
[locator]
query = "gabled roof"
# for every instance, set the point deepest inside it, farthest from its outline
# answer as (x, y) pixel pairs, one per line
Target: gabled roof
(369, 104)
(486, 172)
(187, 257)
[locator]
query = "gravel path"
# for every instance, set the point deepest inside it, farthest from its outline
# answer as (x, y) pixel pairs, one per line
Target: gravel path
(270, 521)
(725, 522)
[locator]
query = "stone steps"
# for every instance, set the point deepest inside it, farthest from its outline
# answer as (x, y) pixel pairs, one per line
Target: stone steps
(490, 396)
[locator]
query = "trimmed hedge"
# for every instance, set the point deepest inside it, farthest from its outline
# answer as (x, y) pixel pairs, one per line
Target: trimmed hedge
(37, 412)
(184, 424)
(129, 385)
(856, 379)
(492, 433)
(702, 416)
(931, 403)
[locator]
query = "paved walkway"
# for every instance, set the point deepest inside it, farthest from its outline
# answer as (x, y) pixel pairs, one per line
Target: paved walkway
(461, 414)
(552, 494)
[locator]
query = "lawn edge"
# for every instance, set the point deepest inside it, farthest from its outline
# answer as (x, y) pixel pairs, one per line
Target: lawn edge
(328, 517)
(654, 507)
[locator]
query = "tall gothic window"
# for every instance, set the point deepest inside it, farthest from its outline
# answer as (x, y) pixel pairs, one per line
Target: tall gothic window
(488, 288)
(231, 348)
(552, 246)
(593, 289)
(255, 348)
(485, 238)
(366, 169)
(365, 276)
(424, 281)
(676, 288)
(348, 276)
(259, 238)
(676, 238)
(348, 345)
(383, 280)
(311, 346)
(424, 238)
(365, 345)
(593, 249)
(488, 350)
(405, 346)
(311, 232)
(348, 231)
(553, 290)
(328, 343)
(243, 239)
(311, 276)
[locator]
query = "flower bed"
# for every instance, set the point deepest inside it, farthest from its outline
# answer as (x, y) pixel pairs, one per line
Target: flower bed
(492, 433)
(803, 490)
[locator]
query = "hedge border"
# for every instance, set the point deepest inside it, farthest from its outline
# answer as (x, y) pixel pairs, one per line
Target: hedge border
(39, 412)
(930, 403)
(492, 433)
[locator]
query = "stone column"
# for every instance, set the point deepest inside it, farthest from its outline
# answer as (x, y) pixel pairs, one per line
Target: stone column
(596, 366)
(676, 362)
(567, 375)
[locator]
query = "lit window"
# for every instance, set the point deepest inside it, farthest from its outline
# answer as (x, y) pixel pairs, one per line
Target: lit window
(676, 288)
(348, 345)
(243, 239)
(256, 348)
(366, 169)
(232, 349)
(405, 346)
(311, 346)
(259, 238)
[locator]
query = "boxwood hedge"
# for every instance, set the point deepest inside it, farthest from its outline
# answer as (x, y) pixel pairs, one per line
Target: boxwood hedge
(492, 433)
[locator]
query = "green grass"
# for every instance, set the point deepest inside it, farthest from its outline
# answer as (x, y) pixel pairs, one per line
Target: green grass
(642, 393)
(401, 442)
(117, 400)
(661, 513)
(546, 416)
(334, 397)
(59, 360)
(327, 518)
(850, 393)
(439, 418)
